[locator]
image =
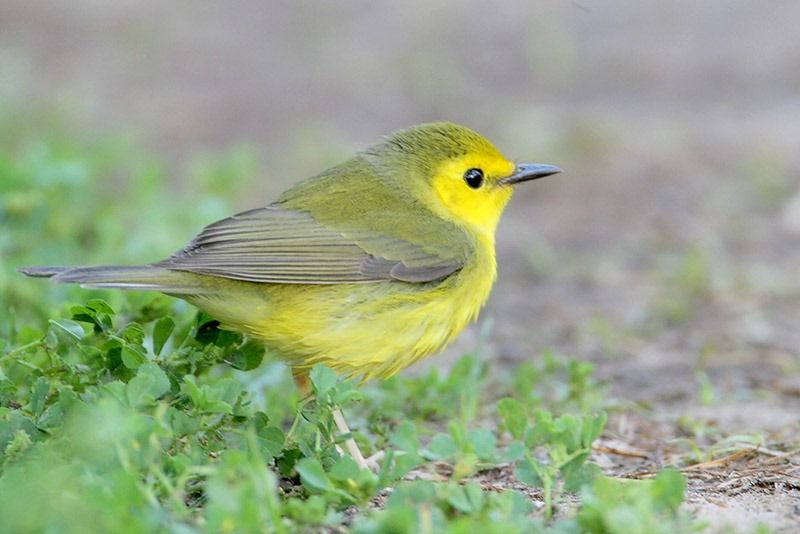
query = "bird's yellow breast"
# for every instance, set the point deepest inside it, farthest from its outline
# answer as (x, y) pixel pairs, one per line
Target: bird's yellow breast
(369, 330)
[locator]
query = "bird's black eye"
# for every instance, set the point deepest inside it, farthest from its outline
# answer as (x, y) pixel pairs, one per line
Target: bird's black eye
(474, 178)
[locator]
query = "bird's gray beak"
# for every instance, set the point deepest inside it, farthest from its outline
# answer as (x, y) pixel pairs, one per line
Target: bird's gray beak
(530, 171)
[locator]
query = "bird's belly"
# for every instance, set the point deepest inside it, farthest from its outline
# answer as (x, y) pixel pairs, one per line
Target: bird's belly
(371, 330)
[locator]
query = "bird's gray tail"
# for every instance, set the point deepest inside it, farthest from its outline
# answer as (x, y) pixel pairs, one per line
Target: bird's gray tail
(139, 277)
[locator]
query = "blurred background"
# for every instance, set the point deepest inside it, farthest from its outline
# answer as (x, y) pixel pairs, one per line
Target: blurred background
(668, 252)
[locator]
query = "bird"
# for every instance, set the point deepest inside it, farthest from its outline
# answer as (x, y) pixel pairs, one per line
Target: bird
(366, 268)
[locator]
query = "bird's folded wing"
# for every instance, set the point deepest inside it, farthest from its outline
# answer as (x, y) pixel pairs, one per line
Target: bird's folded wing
(280, 245)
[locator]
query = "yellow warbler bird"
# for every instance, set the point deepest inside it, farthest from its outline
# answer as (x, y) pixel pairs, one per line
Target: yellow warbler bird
(366, 267)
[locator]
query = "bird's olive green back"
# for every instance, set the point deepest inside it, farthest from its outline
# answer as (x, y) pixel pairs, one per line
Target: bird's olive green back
(365, 220)
(377, 204)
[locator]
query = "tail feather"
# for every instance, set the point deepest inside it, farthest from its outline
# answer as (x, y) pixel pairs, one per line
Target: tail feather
(42, 272)
(140, 277)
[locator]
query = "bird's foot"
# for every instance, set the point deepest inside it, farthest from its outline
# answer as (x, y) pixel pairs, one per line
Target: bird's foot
(373, 462)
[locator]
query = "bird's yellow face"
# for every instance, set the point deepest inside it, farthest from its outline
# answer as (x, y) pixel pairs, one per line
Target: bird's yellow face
(469, 188)
(455, 172)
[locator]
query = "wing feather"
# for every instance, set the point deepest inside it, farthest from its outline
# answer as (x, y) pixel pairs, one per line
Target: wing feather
(282, 245)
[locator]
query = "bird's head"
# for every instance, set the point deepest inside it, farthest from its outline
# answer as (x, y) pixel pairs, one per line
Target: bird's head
(457, 172)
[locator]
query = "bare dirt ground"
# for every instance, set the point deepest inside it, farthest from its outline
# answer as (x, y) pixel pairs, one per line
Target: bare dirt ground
(669, 252)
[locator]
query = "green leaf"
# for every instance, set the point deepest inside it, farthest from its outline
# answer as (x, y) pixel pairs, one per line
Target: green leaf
(567, 429)
(411, 494)
(226, 390)
(542, 431)
(217, 406)
(457, 498)
(578, 474)
(133, 333)
(515, 451)
(346, 393)
(313, 475)
(402, 464)
(260, 421)
(116, 389)
(67, 399)
(513, 414)
(593, 426)
(441, 447)
(219, 398)
(474, 494)
(345, 469)
(51, 418)
(133, 356)
(322, 378)
(526, 473)
(190, 388)
(247, 357)
(669, 487)
(618, 505)
(100, 306)
(96, 311)
(39, 396)
(271, 440)
(84, 314)
(288, 460)
(149, 384)
(483, 443)
(65, 326)
(161, 332)
(405, 437)
(182, 423)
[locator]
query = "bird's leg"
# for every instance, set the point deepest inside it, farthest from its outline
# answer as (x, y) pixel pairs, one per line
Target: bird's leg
(350, 443)
(302, 381)
(303, 384)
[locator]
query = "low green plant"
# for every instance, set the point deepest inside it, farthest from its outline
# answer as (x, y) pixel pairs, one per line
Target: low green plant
(615, 506)
(426, 507)
(131, 412)
(563, 445)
